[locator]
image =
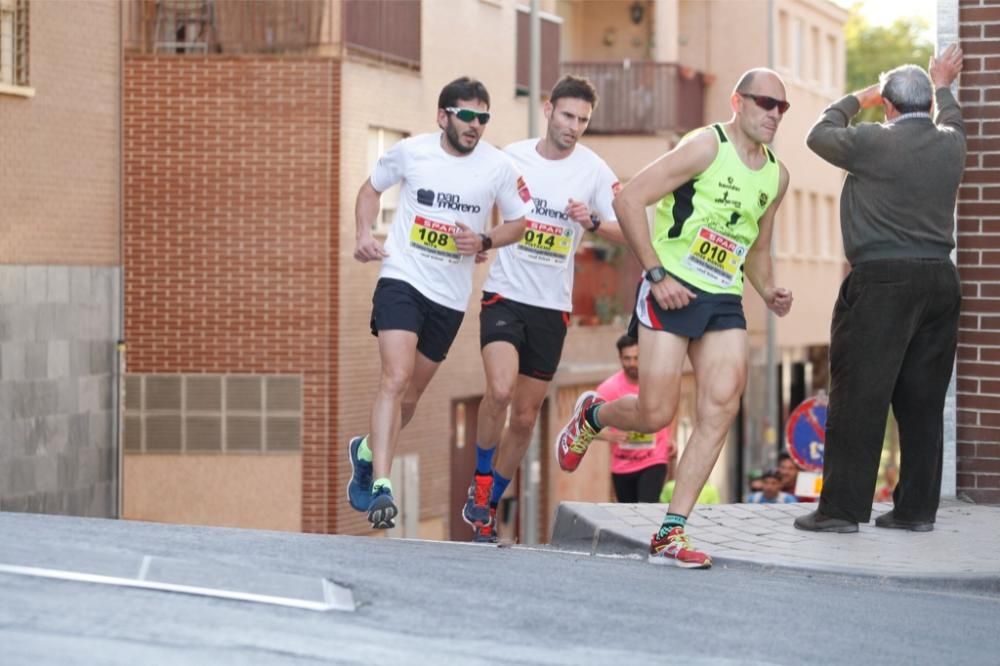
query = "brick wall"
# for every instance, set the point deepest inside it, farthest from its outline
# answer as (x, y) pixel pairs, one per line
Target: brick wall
(232, 233)
(979, 256)
(59, 149)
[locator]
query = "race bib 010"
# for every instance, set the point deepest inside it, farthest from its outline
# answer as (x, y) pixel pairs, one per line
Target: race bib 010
(715, 257)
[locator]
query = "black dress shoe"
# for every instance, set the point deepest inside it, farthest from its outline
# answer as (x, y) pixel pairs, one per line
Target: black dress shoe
(817, 522)
(889, 520)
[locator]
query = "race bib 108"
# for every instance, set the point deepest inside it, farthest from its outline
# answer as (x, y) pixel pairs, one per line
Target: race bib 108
(434, 240)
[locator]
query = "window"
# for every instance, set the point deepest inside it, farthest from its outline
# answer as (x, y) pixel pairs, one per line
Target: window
(779, 232)
(783, 57)
(797, 29)
(832, 62)
(795, 241)
(380, 140)
(213, 413)
(804, 242)
(384, 29)
(14, 42)
(814, 47)
(833, 229)
(788, 214)
(818, 232)
(551, 27)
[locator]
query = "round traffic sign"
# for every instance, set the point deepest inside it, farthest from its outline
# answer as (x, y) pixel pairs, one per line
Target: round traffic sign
(806, 433)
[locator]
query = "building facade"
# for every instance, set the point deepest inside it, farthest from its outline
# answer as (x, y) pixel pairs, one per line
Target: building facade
(247, 130)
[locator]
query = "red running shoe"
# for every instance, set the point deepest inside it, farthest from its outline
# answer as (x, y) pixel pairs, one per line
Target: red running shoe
(675, 548)
(488, 533)
(476, 511)
(576, 436)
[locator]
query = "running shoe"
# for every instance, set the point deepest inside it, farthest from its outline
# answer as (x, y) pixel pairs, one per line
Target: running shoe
(577, 435)
(476, 511)
(488, 533)
(359, 488)
(675, 548)
(382, 509)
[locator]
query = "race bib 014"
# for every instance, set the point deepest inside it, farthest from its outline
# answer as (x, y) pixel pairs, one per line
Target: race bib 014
(546, 244)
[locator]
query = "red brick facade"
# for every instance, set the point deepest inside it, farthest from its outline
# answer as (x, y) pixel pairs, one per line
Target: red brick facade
(979, 256)
(59, 149)
(231, 231)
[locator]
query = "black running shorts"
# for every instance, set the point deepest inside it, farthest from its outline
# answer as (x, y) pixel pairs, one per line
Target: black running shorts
(537, 333)
(707, 312)
(397, 306)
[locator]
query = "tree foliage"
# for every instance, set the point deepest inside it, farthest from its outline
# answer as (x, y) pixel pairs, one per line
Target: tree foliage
(873, 49)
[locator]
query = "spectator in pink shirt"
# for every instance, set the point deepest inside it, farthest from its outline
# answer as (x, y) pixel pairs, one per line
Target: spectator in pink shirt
(638, 460)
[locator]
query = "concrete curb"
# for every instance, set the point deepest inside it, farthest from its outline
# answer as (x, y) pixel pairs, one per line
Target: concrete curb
(595, 530)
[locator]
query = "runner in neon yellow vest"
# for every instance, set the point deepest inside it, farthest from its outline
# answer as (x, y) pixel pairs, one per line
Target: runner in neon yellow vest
(716, 193)
(704, 228)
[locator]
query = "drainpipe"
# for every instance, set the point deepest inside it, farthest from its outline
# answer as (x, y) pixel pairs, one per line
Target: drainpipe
(532, 469)
(771, 419)
(118, 383)
(947, 33)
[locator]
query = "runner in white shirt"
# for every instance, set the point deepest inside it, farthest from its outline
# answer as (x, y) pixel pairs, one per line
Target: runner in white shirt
(450, 183)
(527, 297)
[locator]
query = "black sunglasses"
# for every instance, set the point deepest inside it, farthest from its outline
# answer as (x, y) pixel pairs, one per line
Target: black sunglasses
(468, 115)
(768, 103)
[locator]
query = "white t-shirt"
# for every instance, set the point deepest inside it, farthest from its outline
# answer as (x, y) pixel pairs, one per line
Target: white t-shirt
(438, 190)
(539, 269)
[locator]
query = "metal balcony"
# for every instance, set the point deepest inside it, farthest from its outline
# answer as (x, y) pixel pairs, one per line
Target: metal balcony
(643, 97)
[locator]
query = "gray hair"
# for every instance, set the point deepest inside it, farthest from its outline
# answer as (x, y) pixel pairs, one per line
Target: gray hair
(908, 88)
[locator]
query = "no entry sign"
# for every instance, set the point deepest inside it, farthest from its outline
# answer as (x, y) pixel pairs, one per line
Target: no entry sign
(806, 434)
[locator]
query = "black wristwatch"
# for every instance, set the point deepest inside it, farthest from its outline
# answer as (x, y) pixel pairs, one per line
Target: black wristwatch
(656, 274)
(487, 242)
(596, 221)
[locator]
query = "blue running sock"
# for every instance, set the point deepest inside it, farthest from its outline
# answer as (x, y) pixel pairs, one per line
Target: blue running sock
(591, 417)
(499, 485)
(484, 460)
(670, 521)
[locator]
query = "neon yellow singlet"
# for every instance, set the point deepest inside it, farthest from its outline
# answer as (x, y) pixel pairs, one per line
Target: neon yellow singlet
(704, 228)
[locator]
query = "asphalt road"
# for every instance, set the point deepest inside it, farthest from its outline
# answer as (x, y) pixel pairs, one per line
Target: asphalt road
(438, 603)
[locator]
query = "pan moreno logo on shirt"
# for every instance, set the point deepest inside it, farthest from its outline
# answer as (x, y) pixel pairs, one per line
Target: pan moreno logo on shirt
(541, 207)
(445, 200)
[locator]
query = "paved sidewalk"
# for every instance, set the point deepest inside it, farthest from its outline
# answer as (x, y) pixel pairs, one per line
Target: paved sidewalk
(963, 550)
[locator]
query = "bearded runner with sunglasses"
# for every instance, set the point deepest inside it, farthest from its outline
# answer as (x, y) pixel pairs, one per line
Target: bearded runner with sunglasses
(450, 182)
(528, 295)
(717, 193)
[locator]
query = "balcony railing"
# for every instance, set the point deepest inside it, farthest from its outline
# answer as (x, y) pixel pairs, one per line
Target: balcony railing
(388, 30)
(229, 26)
(643, 97)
